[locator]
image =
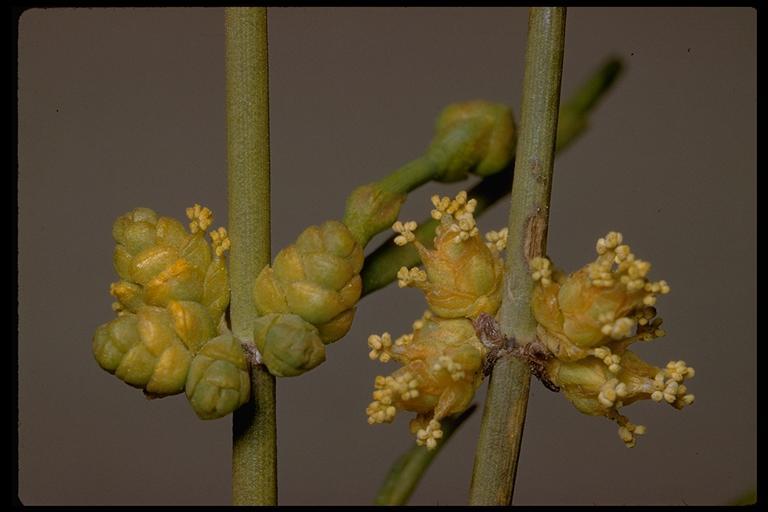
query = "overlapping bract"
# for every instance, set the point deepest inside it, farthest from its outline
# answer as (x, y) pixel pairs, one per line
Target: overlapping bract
(172, 295)
(218, 380)
(316, 281)
(288, 344)
(590, 318)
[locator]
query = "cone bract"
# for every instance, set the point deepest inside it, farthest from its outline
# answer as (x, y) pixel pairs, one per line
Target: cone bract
(218, 380)
(288, 344)
(316, 278)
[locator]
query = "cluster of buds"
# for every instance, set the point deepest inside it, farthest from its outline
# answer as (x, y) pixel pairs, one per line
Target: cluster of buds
(442, 360)
(171, 299)
(307, 298)
(588, 319)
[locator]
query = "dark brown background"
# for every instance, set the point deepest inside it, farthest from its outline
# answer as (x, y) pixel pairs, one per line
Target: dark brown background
(125, 107)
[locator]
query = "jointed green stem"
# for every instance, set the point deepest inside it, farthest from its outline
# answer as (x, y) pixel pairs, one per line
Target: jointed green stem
(501, 430)
(254, 453)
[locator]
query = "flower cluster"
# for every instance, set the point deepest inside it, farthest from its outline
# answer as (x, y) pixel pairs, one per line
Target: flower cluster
(589, 319)
(171, 299)
(442, 359)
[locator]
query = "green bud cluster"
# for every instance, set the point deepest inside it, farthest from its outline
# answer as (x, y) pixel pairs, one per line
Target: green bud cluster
(171, 298)
(308, 294)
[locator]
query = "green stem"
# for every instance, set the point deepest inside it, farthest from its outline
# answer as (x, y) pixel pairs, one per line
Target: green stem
(382, 264)
(254, 453)
(405, 473)
(410, 176)
(501, 430)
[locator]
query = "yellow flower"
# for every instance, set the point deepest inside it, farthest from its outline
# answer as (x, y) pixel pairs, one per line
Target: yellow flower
(462, 275)
(589, 319)
(441, 369)
(593, 389)
(609, 302)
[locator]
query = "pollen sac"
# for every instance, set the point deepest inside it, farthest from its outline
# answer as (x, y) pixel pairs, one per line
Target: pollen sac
(218, 380)
(588, 319)
(441, 370)
(462, 274)
(288, 344)
(316, 278)
(171, 298)
(144, 350)
(473, 137)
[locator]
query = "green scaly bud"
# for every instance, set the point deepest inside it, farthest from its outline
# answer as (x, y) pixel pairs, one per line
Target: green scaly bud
(218, 381)
(288, 344)
(316, 278)
(144, 351)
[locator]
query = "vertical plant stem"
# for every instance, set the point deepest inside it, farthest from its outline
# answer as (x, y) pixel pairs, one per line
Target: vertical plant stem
(254, 447)
(501, 431)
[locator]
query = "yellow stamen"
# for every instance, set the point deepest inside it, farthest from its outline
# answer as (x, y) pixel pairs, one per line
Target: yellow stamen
(200, 216)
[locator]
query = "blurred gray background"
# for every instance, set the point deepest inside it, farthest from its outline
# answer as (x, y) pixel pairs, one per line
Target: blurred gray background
(125, 107)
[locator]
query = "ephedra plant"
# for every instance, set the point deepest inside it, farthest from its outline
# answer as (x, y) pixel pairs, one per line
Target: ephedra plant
(204, 312)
